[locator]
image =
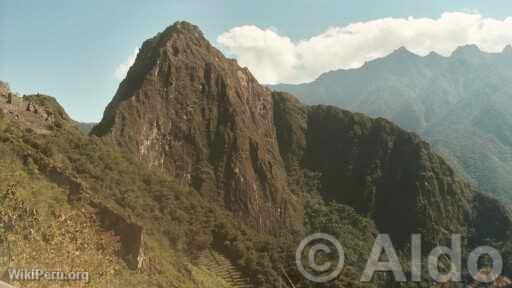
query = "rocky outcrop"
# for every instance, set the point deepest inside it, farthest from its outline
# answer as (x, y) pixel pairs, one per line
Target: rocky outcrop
(131, 235)
(40, 113)
(186, 109)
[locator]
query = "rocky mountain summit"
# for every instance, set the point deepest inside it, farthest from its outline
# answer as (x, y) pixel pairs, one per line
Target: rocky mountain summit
(187, 110)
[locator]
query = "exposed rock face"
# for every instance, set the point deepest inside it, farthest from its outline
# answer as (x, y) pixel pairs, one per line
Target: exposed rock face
(372, 165)
(188, 110)
(131, 236)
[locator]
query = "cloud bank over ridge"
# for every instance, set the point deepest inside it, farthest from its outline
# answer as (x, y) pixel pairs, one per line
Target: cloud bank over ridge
(274, 58)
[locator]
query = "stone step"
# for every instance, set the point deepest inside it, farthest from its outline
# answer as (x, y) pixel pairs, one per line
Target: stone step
(223, 268)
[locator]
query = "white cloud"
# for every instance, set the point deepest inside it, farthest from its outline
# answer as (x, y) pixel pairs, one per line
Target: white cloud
(123, 68)
(276, 59)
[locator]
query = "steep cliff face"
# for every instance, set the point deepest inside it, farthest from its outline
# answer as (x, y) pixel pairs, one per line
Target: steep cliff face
(385, 173)
(186, 109)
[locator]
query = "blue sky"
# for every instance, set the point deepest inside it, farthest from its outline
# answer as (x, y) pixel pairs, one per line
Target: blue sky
(71, 49)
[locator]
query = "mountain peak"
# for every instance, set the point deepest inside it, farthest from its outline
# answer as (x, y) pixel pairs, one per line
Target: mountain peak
(182, 27)
(434, 54)
(402, 51)
(181, 40)
(184, 105)
(180, 31)
(467, 50)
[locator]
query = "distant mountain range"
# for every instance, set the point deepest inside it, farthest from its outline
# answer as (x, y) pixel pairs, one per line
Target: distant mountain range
(85, 127)
(461, 104)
